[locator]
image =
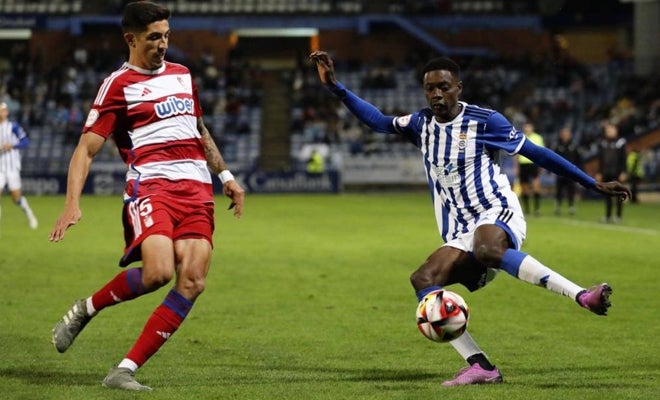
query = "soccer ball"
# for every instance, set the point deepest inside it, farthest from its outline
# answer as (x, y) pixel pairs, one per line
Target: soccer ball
(442, 316)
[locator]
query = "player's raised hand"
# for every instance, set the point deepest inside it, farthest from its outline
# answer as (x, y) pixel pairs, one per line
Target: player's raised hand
(70, 216)
(615, 189)
(236, 193)
(324, 66)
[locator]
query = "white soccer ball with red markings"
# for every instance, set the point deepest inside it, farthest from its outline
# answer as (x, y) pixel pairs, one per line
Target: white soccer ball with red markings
(442, 315)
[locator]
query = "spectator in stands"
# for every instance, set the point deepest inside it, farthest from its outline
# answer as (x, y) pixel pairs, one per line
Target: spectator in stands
(635, 171)
(565, 187)
(612, 165)
(12, 139)
(528, 173)
(315, 163)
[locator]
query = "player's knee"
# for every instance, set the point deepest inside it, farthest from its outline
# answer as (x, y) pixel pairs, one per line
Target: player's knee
(155, 280)
(420, 280)
(425, 277)
(488, 255)
(192, 286)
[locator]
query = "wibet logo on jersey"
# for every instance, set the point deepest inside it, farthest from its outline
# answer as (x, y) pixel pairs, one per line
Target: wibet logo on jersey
(174, 106)
(167, 108)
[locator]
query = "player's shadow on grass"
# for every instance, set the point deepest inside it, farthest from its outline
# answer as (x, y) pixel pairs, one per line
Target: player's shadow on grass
(386, 375)
(335, 374)
(588, 377)
(51, 376)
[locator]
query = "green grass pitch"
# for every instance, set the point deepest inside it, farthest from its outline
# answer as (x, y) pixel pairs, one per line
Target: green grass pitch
(308, 298)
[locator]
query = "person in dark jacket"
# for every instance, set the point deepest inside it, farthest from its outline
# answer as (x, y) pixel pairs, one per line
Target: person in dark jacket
(565, 187)
(612, 165)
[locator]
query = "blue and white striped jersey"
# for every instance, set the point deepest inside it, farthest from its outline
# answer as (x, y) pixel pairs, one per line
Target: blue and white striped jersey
(460, 158)
(11, 133)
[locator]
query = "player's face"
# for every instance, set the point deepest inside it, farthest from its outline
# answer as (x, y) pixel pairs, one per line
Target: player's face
(611, 131)
(150, 46)
(441, 89)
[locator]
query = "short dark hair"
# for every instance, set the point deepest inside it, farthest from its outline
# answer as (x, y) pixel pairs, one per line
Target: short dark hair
(443, 63)
(137, 15)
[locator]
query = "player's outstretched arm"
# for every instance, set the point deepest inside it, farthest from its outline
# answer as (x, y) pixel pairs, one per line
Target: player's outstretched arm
(363, 110)
(325, 67)
(81, 160)
(216, 163)
(557, 164)
(614, 189)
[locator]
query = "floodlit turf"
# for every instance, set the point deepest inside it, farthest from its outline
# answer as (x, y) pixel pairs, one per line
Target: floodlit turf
(308, 298)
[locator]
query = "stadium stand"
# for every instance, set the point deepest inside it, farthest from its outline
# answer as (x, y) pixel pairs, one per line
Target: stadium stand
(52, 99)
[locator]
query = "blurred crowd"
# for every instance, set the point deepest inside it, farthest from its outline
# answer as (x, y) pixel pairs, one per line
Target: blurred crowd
(552, 93)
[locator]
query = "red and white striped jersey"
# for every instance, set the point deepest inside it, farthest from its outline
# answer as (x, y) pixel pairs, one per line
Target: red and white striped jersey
(152, 116)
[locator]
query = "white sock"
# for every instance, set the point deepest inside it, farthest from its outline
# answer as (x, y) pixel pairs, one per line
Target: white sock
(534, 272)
(466, 346)
(91, 311)
(25, 206)
(126, 363)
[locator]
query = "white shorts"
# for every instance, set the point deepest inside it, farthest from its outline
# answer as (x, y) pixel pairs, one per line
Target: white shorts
(514, 226)
(10, 178)
(512, 223)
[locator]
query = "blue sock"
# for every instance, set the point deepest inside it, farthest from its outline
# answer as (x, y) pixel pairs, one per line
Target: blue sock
(134, 279)
(425, 291)
(177, 303)
(511, 261)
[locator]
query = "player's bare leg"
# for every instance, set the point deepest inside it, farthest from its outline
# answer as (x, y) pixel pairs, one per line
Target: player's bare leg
(22, 202)
(446, 266)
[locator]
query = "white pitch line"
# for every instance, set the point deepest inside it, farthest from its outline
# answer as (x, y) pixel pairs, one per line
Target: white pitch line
(610, 227)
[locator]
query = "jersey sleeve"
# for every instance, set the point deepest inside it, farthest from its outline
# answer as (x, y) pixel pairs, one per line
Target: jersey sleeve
(21, 135)
(103, 116)
(410, 126)
(366, 112)
(552, 161)
(499, 134)
(195, 94)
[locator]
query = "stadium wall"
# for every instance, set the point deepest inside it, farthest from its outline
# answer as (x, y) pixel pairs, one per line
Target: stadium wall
(586, 45)
(54, 46)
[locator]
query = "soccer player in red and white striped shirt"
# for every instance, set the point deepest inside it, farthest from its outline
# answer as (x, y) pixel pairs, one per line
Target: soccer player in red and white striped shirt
(151, 107)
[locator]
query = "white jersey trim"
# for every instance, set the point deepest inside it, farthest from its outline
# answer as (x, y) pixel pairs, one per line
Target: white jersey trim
(165, 130)
(185, 169)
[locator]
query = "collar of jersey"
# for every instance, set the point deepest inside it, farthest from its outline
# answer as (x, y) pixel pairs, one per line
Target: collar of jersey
(463, 105)
(145, 71)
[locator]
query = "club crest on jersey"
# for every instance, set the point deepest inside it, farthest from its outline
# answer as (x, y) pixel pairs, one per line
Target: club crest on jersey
(174, 106)
(462, 142)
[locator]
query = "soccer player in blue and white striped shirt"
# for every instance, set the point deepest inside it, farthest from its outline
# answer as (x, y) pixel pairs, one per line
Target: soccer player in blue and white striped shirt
(478, 215)
(12, 139)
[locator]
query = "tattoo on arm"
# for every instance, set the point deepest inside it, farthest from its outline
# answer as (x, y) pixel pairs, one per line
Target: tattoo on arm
(213, 157)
